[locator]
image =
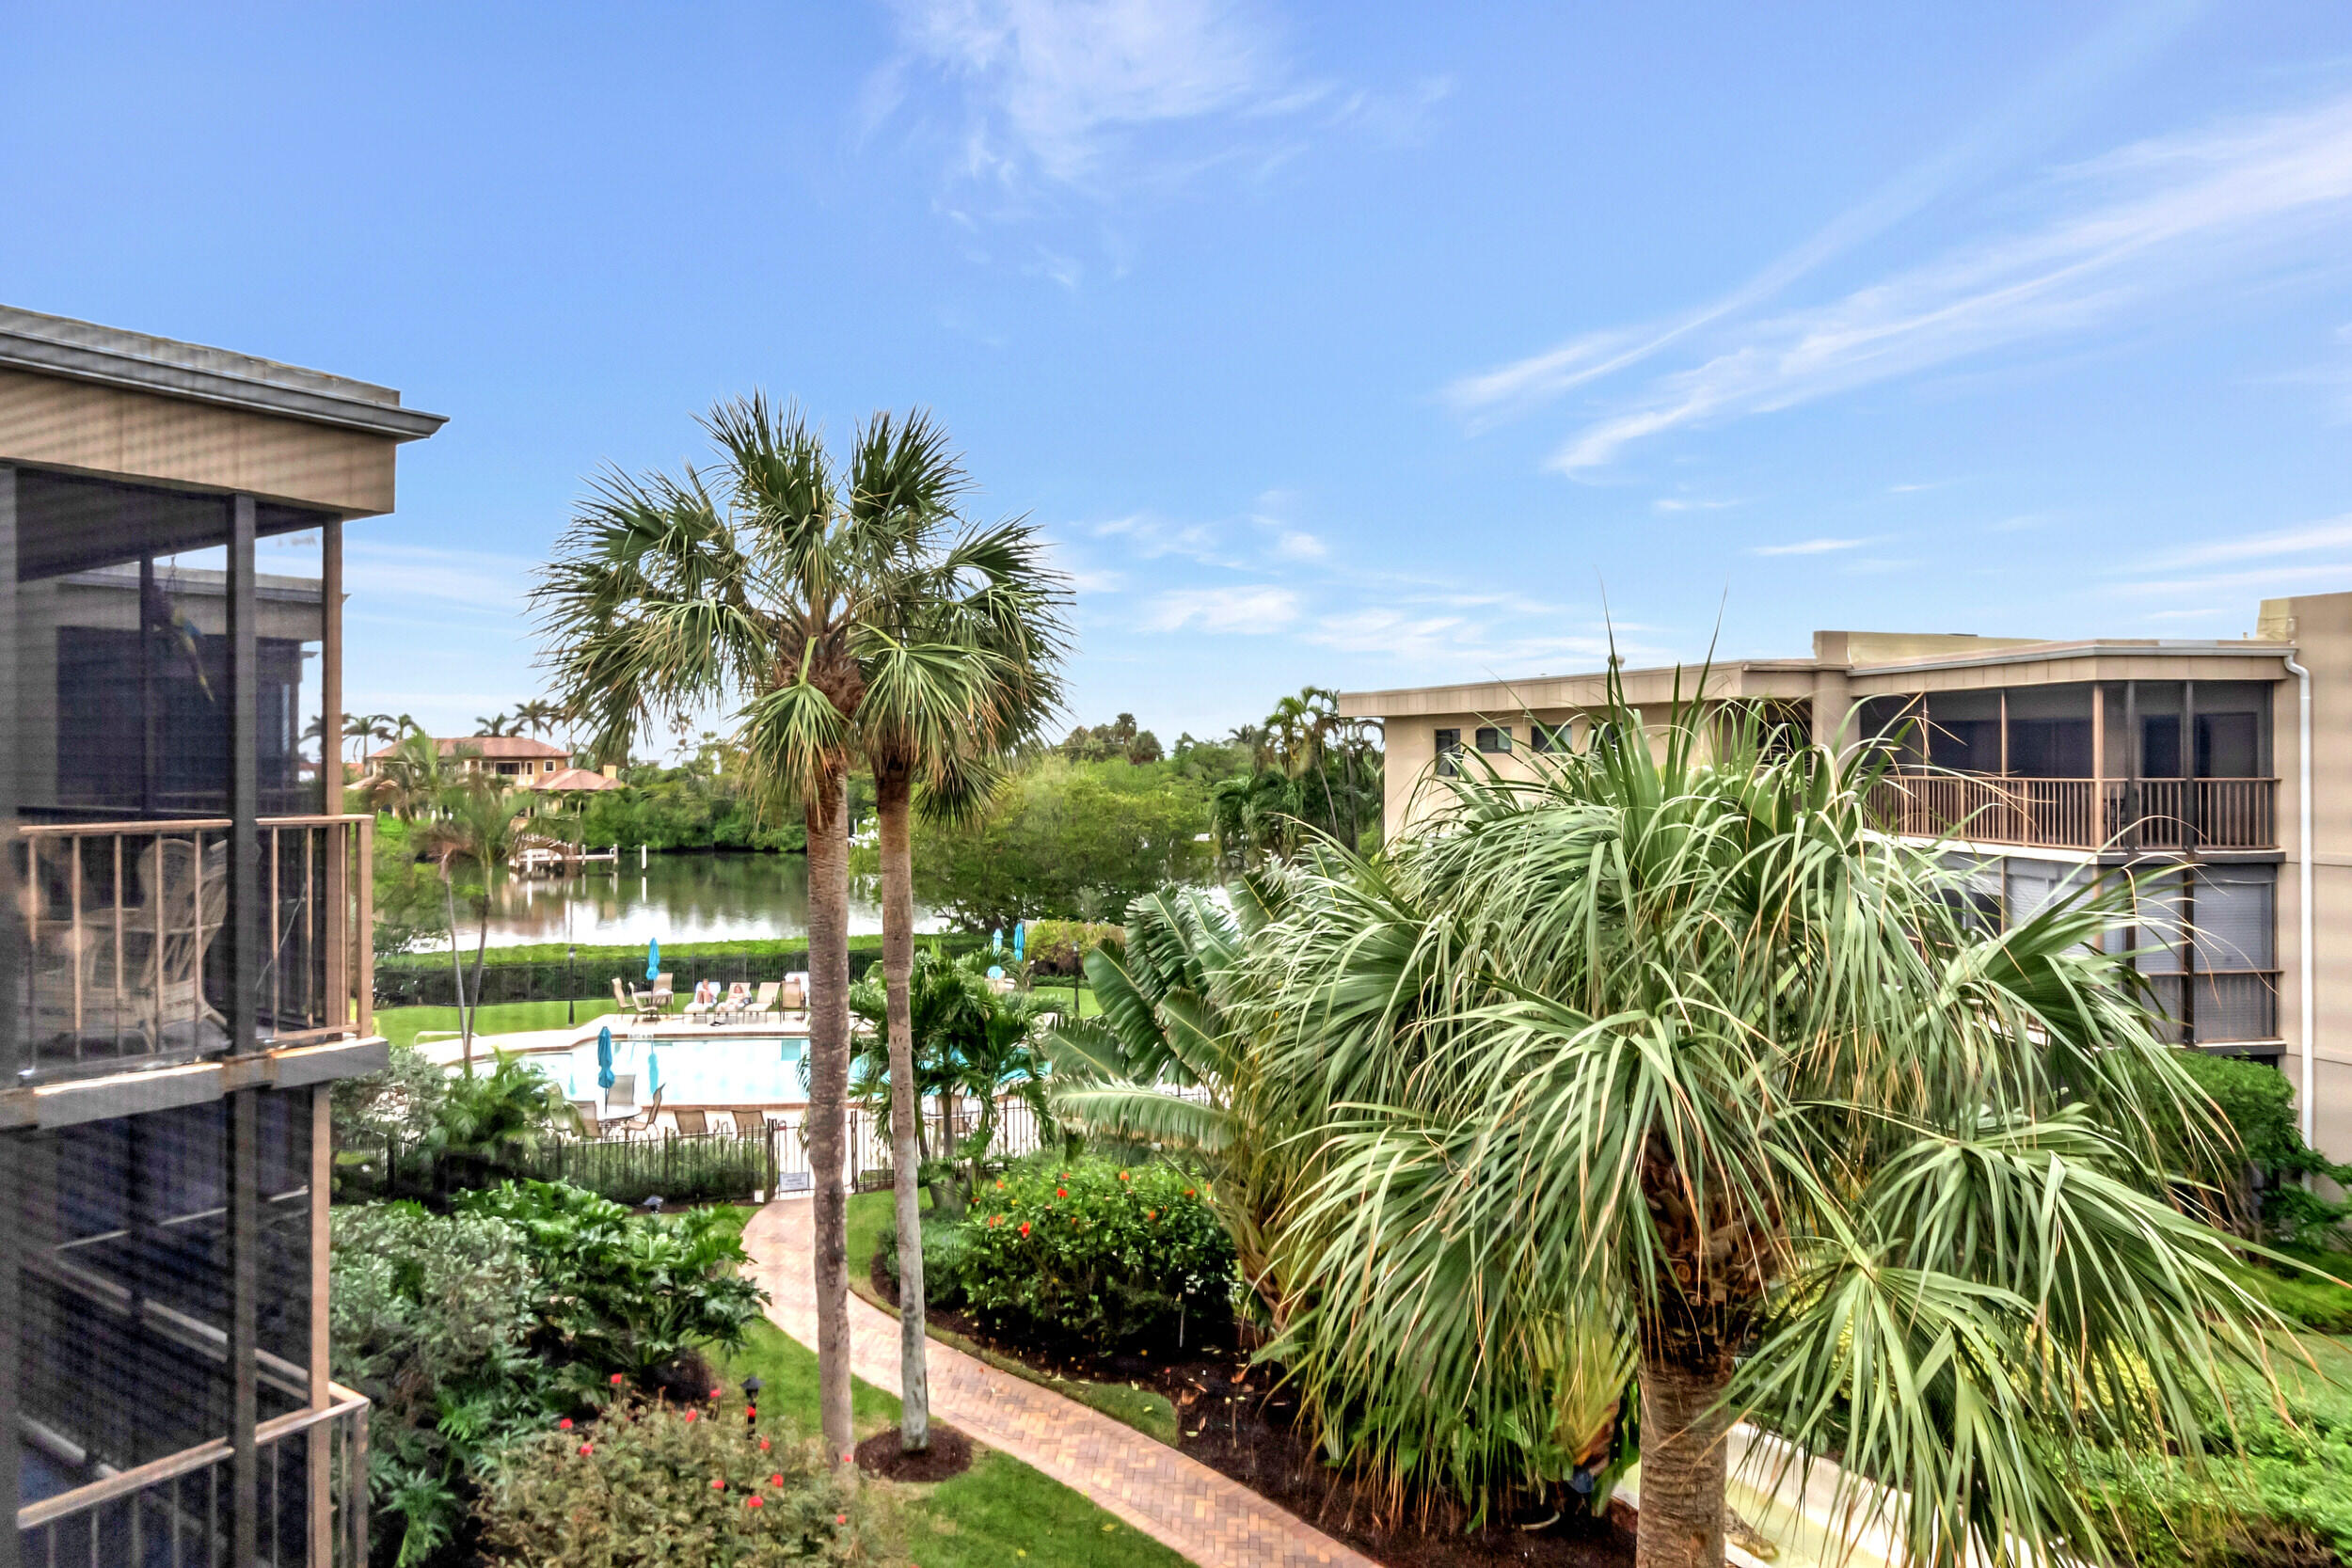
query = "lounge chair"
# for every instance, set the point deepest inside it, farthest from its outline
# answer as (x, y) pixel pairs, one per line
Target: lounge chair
(795, 992)
(765, 1006)
(692, 1124)
(705, 1000)
(750, 1124)
(739, 1002)
(662, 993)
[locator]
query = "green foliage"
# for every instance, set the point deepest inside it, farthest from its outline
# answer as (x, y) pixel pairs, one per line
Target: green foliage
(651, 1485)
(1310, 771)
(679, 1171)
(1065, 840)
(683, 808)
(402, 1103)
(1060, 946)
(409, 911)
(621, 1291)
(1116, 741)
(429, 1318)
(2266, 1171)
(1096, 1252)
(2280, 1497)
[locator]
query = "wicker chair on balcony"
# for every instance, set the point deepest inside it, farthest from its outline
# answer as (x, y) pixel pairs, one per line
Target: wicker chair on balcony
(166, 935)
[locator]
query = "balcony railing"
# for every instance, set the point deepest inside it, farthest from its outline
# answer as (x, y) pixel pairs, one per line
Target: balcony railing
(123, 928)
(2172, 814)
(313, 1502)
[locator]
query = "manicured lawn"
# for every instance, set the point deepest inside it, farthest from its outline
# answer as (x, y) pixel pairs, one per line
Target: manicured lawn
(998, 1512)
(401, 1025)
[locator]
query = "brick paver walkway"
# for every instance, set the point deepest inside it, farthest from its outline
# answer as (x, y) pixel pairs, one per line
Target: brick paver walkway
(1215, 1522)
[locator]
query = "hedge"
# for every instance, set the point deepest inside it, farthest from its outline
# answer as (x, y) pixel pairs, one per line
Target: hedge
(425, 979)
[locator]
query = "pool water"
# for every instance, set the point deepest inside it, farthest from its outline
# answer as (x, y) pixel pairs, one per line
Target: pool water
(725, 1069)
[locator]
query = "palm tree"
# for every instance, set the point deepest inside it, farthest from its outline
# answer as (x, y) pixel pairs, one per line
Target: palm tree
(1666, 1042)
(475, 823)
(1168, 1061)
(411, 782)
(495, 726)
(963, 640)
(538, 715)
(762, 588)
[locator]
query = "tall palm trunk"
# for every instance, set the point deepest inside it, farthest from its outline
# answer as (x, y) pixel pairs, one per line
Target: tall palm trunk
(828, 1090)
(481, 949)
(891, 793)
(1684, 1427)
(457, 966)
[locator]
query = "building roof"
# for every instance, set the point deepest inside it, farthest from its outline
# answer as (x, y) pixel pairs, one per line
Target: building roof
(490, 747)
(85, 351)
(583, 780)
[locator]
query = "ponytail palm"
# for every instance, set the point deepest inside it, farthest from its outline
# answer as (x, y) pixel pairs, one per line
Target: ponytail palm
(1664, 1046)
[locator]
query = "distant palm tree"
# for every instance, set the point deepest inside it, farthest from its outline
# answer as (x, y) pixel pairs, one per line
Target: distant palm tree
(498, 724)
(758, 587)
(411, 782)
(476, 825)
(538, 715)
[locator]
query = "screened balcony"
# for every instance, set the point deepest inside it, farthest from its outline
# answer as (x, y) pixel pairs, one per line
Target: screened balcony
(2161, 766)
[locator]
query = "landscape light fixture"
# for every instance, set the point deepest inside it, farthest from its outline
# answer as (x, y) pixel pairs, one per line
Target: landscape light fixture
(752, 1385)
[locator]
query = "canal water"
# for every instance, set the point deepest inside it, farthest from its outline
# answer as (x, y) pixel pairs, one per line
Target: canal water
(677, 897)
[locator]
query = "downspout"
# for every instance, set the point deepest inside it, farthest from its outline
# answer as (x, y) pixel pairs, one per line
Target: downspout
(2303, 900)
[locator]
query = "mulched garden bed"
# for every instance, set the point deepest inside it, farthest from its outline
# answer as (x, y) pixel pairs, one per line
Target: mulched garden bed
(950, 1455)
(1236, 1421)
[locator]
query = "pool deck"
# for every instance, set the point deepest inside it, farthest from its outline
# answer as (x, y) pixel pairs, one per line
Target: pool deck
(625, 1026)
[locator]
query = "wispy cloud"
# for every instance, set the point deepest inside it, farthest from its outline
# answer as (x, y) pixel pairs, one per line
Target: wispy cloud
(2130, 230)
(1053, 87)
(1809, 547)
(2334, 533)
(1149, 538)
(1222, 610)
(1685, 503)
(389, 574)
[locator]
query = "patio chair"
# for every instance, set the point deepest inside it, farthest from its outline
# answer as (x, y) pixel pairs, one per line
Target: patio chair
(662, 994)
(706, 1000)
(642, 1122)
(590, 1128)
(739, 1002)
(692, 1124)
(795, 992)
(763, 1006)
(620, 1100)
(637, 1003)
(750, 1124)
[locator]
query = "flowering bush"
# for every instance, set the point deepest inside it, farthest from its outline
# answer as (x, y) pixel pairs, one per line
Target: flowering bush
(650, 1485)
(1105, 1253)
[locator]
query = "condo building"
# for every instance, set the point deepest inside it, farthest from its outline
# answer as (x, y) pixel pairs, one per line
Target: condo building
(2217, 773)
(184, 944)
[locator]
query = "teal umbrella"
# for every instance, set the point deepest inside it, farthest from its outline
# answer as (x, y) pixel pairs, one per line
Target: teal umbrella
(604, 1057)
(653, 1073)
(653, 960)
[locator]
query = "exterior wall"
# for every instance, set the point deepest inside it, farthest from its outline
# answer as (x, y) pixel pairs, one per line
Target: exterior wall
(130, 435)
(2321, 628)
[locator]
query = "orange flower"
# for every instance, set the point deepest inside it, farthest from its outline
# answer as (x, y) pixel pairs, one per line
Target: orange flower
(1151, 1214)
(1123, 1176)
(1025, 1228)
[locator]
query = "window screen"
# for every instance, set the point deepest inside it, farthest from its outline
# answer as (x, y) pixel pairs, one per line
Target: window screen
(1448, 748)
(2233, 917)
(1494, 739)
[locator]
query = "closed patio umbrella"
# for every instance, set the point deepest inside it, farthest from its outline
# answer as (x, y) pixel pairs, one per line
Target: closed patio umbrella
(653, 960)
(604, 1057)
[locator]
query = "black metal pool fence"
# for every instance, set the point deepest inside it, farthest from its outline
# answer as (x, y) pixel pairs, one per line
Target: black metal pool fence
(427, 980)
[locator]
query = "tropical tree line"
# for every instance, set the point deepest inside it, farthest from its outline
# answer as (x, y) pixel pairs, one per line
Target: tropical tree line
(1657, 1091)
(844, 611)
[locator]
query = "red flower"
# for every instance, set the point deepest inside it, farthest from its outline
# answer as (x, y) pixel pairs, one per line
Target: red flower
(752, 1502)
(1025, 1228)
(750, 1412)
(1123, 1176)
(1187, 1191)
(763, 1444)
(840, 1518)
(715, 1392)
(1061, 1192)
(563, 1425)
(719, 1486)
(692, 1414)
(616, 1380)
(587, 1448)
(1151, 1213)
(776, 1480)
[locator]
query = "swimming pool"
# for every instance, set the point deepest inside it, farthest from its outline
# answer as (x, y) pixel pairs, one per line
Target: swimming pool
(722, 1070)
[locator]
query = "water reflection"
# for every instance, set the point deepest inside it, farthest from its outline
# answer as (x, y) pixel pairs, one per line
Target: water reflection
(674, 897)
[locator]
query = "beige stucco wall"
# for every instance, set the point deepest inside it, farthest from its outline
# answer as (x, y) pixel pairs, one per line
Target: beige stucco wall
(135, 434)
(2321, 627)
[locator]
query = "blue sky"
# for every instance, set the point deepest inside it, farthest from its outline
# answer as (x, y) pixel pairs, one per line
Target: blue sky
(1361, 345)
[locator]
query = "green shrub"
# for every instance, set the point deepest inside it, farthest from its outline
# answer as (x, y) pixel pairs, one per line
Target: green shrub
(429, 1317)
(1060, 946)
(2282, 1501)
(651, 1485)
(1094, 1251)
(633, 1294)
(943, 1256)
